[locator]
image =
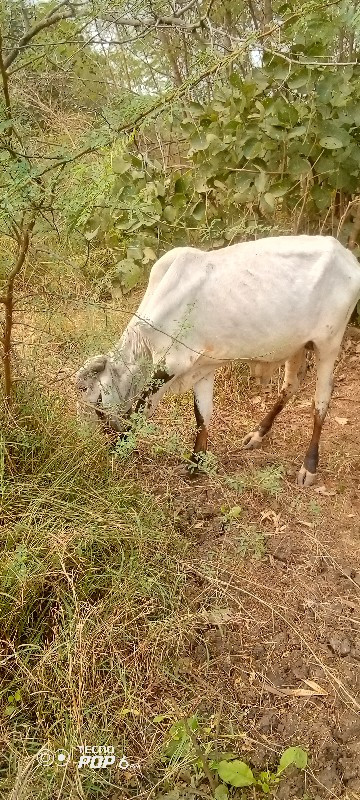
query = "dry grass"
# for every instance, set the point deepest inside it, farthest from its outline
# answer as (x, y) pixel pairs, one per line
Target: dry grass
(131, 598)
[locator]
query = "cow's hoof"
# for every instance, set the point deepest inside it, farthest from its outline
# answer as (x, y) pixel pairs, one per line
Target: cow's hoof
(305, 478)
(252, 441)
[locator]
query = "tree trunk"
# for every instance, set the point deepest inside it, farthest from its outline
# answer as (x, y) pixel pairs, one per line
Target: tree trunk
(164, 37)
(8, 301)
(268, 15)
(355, 228)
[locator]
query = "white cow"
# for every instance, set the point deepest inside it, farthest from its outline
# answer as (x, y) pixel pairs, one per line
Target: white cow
(264, 301)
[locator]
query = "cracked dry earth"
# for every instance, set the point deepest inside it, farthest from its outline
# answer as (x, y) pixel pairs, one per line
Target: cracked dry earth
(271, 644)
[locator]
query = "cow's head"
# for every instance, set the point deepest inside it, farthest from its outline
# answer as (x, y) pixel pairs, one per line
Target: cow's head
(104, 389)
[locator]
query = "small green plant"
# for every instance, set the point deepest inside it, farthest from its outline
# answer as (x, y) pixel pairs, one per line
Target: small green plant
(13, 703)
(139, 427)
(179, 743)
(226, 770)
(206, 463)
(314, 508)
(171, 445)
(232, 514)
(238, 774)
(269, 480)
(266, 481)
(249, 539)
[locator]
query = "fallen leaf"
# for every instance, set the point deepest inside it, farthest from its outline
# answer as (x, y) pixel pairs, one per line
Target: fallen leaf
(315, 686)
(287, 692)
(307, 524)
(323, 490)
(218, 616)
(341, 420)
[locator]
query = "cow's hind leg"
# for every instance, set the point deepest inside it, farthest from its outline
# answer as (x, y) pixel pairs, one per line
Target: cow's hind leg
(295, 369)
(325, 360)
(203, 406)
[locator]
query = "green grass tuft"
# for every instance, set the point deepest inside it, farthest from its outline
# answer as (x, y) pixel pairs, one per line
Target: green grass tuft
(89, 585)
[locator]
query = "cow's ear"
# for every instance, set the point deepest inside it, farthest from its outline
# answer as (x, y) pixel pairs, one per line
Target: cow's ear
(96, 365)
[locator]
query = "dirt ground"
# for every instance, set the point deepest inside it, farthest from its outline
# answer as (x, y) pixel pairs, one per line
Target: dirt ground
(273, 648)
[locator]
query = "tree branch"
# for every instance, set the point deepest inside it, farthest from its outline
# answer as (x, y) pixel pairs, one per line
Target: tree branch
(311, 63)
(4, 76)
(8, 302)
(51, 19)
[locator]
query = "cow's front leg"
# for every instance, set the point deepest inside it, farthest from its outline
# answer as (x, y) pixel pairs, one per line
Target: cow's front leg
(203, 406)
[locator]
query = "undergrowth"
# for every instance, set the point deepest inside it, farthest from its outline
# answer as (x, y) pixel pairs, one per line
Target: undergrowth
(98, 617)
(88, 585)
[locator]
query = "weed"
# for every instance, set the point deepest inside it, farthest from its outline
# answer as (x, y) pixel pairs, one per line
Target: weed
(314, 508)
(250, 542)
(181, 744)
(88, 585)
(268, 480)
(206, 463)
(139, 427)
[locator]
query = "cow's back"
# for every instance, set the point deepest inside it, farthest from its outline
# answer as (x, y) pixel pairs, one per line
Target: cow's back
(259, 299)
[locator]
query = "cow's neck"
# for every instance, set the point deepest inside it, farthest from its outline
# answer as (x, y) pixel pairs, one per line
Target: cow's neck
(131, 358)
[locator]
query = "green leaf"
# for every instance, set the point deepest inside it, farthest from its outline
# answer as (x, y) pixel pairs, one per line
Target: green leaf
(261, 181)
(322, 196)
(148, 255)
(253, 148)
(236, 773)
(221, 792)
(297, 132)
(333, 129)
(9, 710)
(293, 755)
(199, 142)
(299, 166)
(177, 749)
(269, 199)
(280, 188)
(89, 235)
(17, 696)
(193, 723)
(129, 273)
(120, 166)
(235, 512)
(134, 253)
(169, 214)
(242, 182)
(199, 211)
(160, 188)
(137, 174)
(180, 186)
(330, 143)
(298, 79)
